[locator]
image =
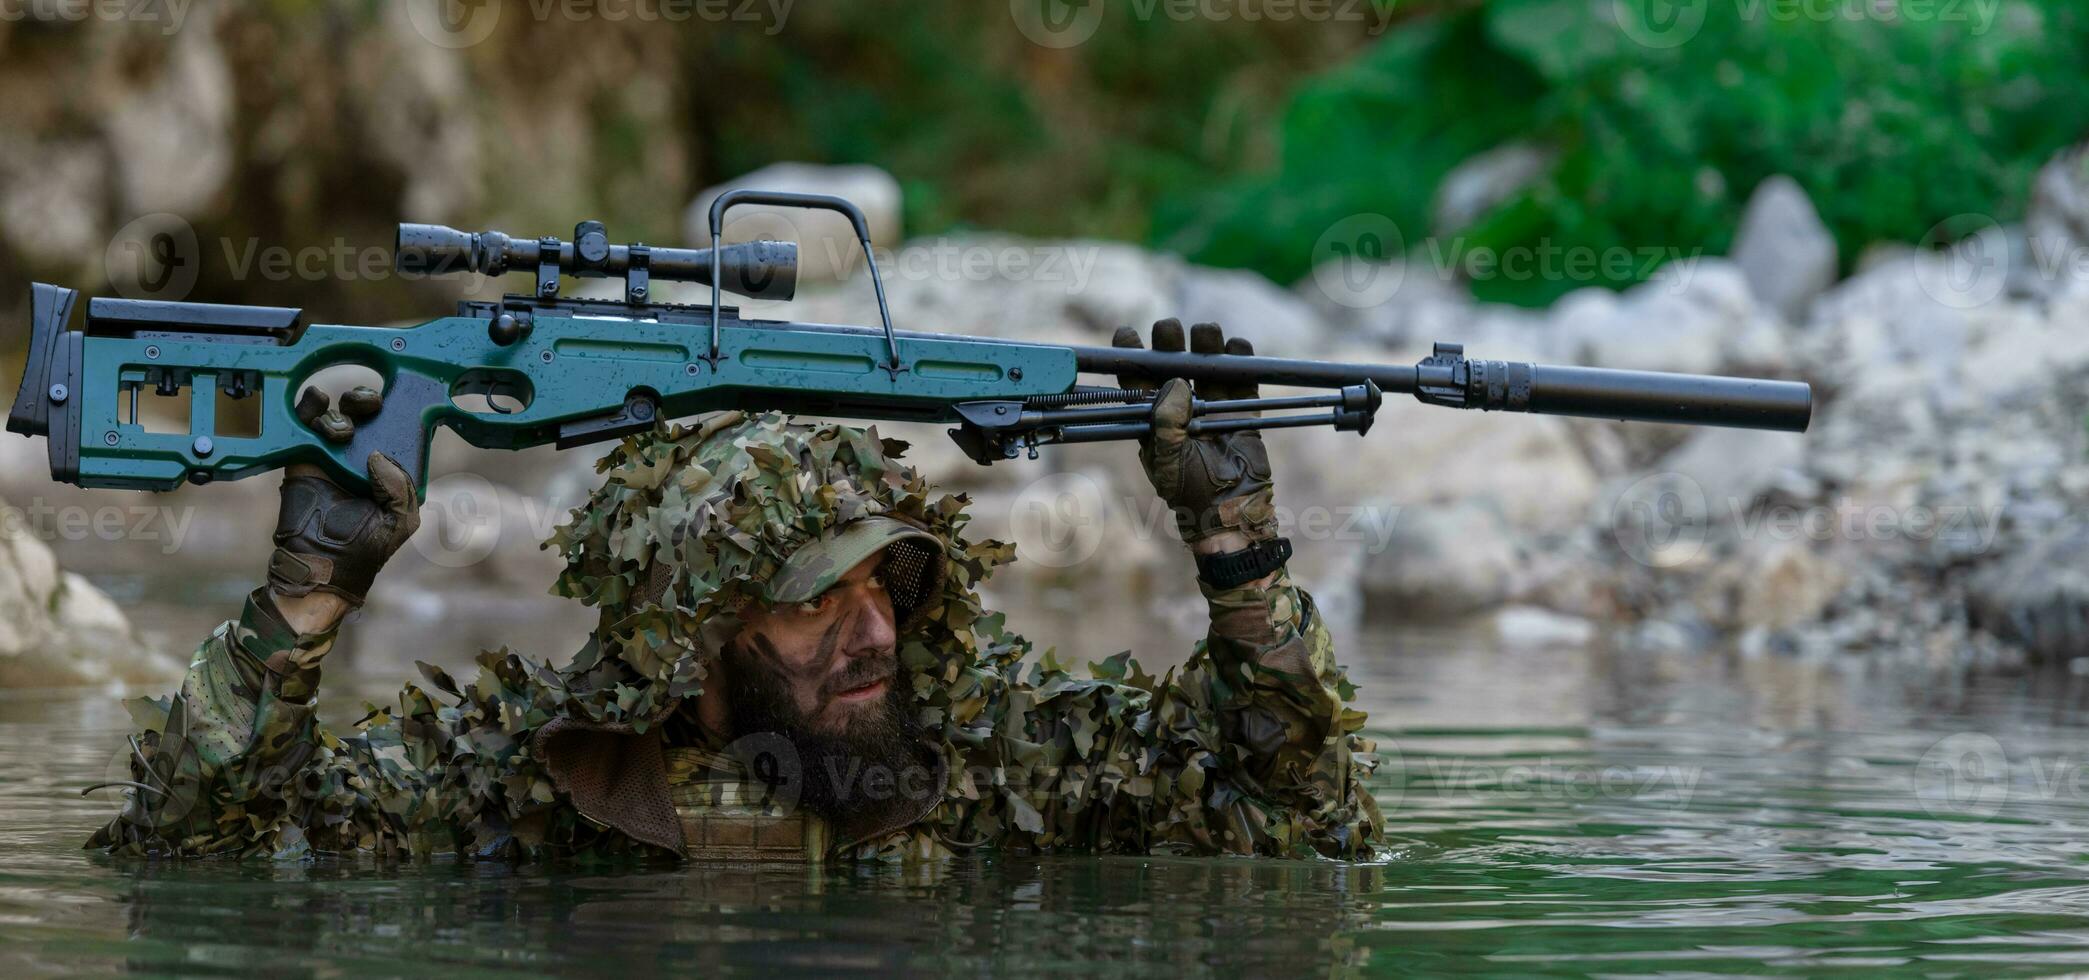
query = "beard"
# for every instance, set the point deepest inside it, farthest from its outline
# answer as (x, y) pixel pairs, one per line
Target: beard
(843, 772)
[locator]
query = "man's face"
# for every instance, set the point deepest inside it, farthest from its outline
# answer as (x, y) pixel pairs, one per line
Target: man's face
(827, 665)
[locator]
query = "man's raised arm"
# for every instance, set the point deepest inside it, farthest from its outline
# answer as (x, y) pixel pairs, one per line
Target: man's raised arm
(1268, 664)
(243, 724)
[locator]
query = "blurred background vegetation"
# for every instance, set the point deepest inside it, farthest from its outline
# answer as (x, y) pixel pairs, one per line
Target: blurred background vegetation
(1234, 141)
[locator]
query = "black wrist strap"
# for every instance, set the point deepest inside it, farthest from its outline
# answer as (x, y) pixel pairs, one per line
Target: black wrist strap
(1234, 568)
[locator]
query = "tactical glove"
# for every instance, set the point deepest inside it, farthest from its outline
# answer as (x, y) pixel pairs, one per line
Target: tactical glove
(331, 539)
(1213, 483)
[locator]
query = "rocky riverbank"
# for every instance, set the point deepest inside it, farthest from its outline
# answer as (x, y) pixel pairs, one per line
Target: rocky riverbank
(1932, 513)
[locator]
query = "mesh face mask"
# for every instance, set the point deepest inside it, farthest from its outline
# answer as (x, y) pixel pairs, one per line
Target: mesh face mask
(913, 572)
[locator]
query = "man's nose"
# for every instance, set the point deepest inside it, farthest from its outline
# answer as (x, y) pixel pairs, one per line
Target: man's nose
(874, 633)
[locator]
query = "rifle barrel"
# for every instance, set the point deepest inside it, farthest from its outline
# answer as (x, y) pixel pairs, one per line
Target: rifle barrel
(1544, 389)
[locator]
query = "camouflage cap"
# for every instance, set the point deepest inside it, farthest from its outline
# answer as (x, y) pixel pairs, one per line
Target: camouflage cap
(912, 573)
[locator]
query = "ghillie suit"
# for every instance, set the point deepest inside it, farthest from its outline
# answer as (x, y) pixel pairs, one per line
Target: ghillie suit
(1249, 748)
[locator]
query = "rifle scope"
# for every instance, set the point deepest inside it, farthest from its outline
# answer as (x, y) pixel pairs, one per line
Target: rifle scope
(758, 270)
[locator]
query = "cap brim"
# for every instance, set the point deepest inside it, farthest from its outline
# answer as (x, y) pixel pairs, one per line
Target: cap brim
(817, 565)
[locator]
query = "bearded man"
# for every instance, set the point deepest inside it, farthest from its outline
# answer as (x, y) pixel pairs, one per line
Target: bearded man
(792, 662)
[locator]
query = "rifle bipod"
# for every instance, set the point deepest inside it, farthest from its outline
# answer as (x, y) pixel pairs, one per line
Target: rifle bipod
(991, 430)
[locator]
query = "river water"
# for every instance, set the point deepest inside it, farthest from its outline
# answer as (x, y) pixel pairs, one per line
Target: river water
(1567, 811)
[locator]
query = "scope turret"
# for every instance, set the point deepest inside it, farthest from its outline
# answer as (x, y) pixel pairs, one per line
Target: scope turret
(758, 270)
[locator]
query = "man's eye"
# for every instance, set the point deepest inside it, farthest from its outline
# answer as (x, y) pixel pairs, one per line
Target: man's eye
(816, 604)
(876, 582)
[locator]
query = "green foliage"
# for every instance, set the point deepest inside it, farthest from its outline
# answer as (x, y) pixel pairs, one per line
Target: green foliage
(985, 128)
(1890, 125)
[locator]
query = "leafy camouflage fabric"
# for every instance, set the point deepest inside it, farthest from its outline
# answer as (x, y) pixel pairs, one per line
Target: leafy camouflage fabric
(1250, 748)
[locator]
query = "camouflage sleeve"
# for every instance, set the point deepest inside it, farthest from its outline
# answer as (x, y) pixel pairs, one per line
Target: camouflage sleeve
(1249, 748)
(237, 764)
(1291, 738)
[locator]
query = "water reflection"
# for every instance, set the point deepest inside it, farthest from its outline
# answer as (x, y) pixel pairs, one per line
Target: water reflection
(1566, 811)
(997, 915)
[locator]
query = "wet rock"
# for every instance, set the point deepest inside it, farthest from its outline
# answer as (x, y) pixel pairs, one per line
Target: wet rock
(1914, 309)
(2056, 226)
(1529, 469)
(1442, 562)
(1783, 249)
(827, 246)
(1533, 627)
(1421, 306)
(1770, 583)
(1664, 636)
(1735, 467)
(1044, 290)
(56, 629)
(1696, 316)
(1277, 322)
(2039, 597)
